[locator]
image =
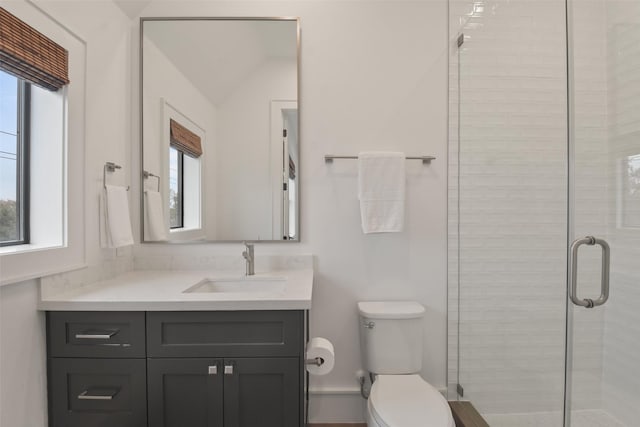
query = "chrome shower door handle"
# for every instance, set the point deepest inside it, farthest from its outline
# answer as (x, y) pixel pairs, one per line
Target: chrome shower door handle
(573, 272)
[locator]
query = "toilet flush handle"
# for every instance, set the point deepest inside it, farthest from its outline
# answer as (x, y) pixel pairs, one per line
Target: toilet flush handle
(369, 324)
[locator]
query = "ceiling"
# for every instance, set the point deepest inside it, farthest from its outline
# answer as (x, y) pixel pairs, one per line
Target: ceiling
(132, 8)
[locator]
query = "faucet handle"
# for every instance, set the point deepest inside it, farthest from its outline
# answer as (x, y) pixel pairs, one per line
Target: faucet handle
(247, 254)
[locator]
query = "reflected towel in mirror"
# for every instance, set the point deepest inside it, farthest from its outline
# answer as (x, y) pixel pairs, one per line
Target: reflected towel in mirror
(154, 225)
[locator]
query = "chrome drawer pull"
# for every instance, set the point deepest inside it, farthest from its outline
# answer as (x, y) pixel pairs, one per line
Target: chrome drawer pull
(96, 334)
(98, 394)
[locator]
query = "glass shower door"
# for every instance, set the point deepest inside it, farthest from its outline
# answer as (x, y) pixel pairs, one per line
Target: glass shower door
(603, 365)
(509, 209)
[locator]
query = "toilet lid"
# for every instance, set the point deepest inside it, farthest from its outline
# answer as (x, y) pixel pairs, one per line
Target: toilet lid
(408, 401)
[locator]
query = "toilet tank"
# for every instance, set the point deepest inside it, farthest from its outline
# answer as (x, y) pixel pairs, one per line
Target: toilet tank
(391, 336)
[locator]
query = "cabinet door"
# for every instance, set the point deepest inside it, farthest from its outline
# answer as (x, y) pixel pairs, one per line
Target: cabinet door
(262, 392)
(185, 392)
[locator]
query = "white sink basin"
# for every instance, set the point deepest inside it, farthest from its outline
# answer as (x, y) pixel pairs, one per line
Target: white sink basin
(245, 284)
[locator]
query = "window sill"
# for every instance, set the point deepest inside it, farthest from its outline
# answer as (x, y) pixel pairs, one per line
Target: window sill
(18, 249)
(186, 234)
(26, 262)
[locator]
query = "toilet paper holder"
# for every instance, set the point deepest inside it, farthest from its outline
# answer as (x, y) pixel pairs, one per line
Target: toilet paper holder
(318, 361)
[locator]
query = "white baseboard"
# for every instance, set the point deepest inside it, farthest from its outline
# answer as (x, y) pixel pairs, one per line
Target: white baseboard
(336, 405)
(336, 391)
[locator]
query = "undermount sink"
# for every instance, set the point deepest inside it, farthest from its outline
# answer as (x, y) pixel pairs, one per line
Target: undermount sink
(246, 284)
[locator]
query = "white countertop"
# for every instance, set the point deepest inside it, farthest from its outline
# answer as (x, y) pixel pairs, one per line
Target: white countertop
(164, 291)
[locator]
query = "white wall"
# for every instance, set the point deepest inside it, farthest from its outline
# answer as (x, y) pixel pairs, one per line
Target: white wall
(243, 167)
(105, 31)
(373, 78)
(23, 375)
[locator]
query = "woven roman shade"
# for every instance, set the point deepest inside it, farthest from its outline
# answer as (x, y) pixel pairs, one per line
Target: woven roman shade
(185, 140)
(29, 55)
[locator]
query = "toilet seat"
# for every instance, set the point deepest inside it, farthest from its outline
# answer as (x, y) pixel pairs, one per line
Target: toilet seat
(408, 401)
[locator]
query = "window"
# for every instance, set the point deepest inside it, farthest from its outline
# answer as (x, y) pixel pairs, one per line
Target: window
(631, 191)
(54, 171)
(185, 198)
(176, 188)
(14, 160)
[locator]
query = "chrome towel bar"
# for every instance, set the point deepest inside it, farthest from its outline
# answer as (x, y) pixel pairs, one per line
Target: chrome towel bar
(328, 158)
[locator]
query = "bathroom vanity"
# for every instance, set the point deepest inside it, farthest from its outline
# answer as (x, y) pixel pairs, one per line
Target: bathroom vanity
(192, 350)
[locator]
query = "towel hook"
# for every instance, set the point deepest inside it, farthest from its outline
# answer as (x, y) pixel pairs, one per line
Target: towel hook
(109, 167)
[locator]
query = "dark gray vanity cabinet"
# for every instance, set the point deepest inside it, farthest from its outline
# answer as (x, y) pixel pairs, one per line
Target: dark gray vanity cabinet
(176, 369)
(225, 369)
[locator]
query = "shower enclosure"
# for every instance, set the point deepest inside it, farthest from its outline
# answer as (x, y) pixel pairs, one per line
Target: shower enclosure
(545, 151)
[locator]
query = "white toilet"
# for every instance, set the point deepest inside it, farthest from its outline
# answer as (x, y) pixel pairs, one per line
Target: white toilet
(391, 343)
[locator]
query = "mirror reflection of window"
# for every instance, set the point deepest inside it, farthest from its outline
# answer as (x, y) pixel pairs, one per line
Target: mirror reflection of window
(176, 185)
(292, 209)
(631, 191)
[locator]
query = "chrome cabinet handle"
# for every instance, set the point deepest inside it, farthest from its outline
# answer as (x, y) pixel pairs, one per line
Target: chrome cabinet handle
(98, 394)
(96, 334)
(213, 370)
(228, 369)
(573, 272)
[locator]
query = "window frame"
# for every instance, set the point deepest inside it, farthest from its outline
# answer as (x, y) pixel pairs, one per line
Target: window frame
(180, 184)
(23, 127)
(67, 249)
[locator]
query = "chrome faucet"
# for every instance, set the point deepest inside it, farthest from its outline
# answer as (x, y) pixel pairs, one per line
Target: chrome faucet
(248, 255)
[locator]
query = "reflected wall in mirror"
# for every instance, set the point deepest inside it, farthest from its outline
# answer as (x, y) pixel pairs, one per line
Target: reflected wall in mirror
(220, 140)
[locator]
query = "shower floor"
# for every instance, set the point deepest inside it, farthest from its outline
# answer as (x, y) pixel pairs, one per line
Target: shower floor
(590, 418)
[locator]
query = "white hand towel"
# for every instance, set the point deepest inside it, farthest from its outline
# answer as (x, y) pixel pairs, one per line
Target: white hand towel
(117, 220)
(381, 190)
(154, 226)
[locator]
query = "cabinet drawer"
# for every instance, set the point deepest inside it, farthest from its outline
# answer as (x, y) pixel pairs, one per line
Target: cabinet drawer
(96, 334)
(97, 392)
(224, 334)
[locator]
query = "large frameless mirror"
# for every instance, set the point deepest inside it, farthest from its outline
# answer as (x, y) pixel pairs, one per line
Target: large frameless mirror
(220, 140)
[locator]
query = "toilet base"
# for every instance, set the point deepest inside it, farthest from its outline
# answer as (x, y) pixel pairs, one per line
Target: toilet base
(406, 401)
(371, 422)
